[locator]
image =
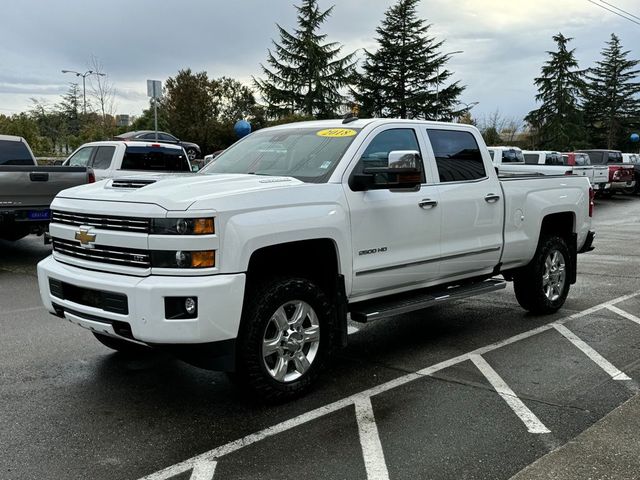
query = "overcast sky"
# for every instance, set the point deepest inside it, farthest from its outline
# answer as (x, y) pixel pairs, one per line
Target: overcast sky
(504, 42)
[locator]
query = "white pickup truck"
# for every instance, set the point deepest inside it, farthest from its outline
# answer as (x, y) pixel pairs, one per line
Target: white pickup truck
(544, 162)
(255, 264)
(117, 158)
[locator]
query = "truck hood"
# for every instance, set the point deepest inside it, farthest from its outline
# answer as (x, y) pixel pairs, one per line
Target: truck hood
(176, 192)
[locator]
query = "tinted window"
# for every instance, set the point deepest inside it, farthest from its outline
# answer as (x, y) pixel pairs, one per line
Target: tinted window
(308, 154)
(492, 153)
(103, 156)
(155, 159)
(512, 156)
(457, 154)
(15, 153)
(81, 157)
(531, 158)
(597, 157)
(166, 137)
(377, 153)
(553, 159)
(615, 157)
(148, 136)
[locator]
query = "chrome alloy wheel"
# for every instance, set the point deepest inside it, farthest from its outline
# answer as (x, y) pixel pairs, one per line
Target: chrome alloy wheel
(291, 340)
(555, 275)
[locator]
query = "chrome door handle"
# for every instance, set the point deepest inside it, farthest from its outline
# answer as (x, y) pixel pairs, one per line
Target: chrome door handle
(492, 198)
(427, 203)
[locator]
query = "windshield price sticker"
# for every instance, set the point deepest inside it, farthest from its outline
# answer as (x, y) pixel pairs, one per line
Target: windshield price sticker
(336, 132)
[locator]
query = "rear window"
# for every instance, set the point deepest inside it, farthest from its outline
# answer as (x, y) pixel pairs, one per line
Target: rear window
(553, 159)
(157, 159)
(615, 157)
(15, 153)
(512, 156)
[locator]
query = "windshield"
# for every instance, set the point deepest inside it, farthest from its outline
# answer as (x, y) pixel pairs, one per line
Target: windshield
(308, 154)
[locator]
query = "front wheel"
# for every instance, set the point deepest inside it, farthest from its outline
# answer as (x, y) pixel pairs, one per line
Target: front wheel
(286, 336)
(542, 286)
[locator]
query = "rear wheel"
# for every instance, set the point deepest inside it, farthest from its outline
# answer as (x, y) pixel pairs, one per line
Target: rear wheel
(542, 286)
(123, 346)
(285, 338)
(192, 153)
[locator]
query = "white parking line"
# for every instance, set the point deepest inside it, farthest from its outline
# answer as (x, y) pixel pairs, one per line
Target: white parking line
(624, 314)
(230, 447)
(598, 359)
(204, 470)
(533, 423)
(370, 441)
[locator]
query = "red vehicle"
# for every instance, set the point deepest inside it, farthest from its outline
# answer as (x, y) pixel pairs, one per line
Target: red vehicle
(621, 175)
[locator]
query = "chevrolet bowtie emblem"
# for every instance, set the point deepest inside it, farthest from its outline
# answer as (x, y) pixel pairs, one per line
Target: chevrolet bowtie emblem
(85, 238)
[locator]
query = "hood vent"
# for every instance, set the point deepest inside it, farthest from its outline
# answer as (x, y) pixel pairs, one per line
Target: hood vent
(131, 183)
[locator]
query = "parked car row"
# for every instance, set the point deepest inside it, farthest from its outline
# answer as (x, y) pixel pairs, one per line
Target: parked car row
(608, 171)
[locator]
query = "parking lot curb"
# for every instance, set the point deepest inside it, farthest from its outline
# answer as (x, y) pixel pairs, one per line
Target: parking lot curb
(607, 450)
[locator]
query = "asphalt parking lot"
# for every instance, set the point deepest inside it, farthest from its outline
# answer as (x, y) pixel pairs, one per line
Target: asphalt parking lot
(473, 390)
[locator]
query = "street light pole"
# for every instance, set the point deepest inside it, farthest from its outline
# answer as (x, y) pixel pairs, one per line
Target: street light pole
(447, 55)
(84, 84)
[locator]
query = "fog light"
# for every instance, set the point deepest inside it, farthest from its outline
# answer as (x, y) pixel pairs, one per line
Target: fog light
(190, 305)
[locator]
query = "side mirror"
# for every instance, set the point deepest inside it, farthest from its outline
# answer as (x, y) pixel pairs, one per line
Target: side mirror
(195, 168)
(404, 171)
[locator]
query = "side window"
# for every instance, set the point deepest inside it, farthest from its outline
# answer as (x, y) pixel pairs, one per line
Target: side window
(102, 158)
(457, 155)
(553, 159)
(166, 138)
(531, 158)
(492, 153)
(615, 157)
(377, 153)
(149, 136)
(81, 157)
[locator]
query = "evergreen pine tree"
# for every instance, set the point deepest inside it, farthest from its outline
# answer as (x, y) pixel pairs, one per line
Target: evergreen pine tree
(559, 123)
(305, 74)
(405, 77)
(612, 106)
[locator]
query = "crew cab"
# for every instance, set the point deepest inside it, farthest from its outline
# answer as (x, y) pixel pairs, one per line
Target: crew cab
(26, 189)
(620, 175)
(255, 264)
(113, 159)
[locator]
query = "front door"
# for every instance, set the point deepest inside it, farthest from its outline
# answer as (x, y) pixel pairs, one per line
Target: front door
(395, 233)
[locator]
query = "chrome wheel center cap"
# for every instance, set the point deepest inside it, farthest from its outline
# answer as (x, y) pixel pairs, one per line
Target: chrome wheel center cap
(295, 341)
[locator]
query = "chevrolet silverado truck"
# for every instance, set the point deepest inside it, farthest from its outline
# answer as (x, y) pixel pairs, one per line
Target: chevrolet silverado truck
(255, 264)
(26, 189)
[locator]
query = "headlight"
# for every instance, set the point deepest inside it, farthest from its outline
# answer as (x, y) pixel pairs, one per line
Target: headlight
(182, 226)
(183, 259)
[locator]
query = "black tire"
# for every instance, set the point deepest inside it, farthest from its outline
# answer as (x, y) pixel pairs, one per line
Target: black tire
(192, 153)
(529, 281)
(122, 346)
(261, 303)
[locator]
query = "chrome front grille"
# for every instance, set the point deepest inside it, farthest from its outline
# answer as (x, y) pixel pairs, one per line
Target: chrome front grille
(105, 222)
(128, 257)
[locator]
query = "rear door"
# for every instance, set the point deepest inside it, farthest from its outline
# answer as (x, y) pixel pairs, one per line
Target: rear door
(471, 203)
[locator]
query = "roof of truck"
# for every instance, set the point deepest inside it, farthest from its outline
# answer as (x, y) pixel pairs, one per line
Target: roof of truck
(11, 138)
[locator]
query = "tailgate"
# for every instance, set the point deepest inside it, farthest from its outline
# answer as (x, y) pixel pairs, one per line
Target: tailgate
(25, 187)
(600, 174)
